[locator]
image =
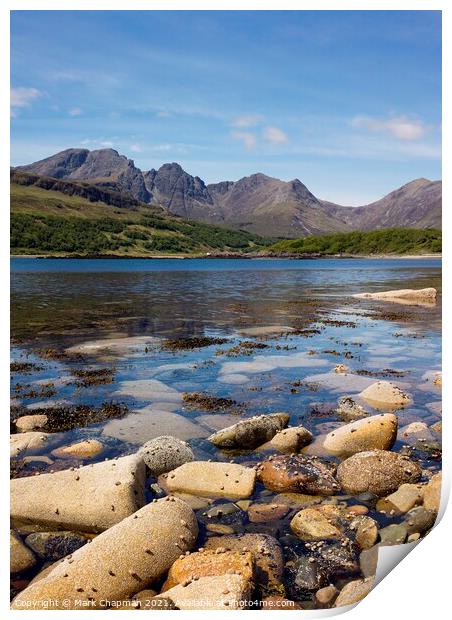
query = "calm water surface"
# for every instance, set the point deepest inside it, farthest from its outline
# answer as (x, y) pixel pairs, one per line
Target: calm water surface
(58, 304)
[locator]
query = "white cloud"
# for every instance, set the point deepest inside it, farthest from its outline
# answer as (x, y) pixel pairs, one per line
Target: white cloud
(400, 127)
(75, 111)
(163, 114)
(22, 97)
(135, 148)
(247, 120)
(275, 135)
(247, 138)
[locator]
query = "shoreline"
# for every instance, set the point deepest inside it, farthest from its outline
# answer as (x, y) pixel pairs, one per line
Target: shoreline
(231, 256)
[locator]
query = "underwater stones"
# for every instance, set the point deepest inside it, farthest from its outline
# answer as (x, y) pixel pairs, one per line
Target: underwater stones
(165, 453)
(90, 498)
(348, 409)
(326, 596)
(209, 563)
(406, 497)
(149, 389)
(83, 450)
(30, 422)
(32, 441)
(211, 480)
(261, 513)
(121, 561)
(223, 592)
(311, 525)
(304, 576)
(290, 440)
(366, 531)
(299, 473)
(385, 393)
(377, 471)
(250, 433)
(432, 493)
(265, 331)
(266, 551)
(21, 557)
(354, 591)
(113, 346)
(375, 432)
(150, 422)
(53, 546)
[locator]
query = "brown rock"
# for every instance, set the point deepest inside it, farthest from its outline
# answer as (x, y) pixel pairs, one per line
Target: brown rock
(406, 497)
(266, 551)
(290, 440)
(21, 557)
(378, 471)
(312, 524)
(385, 393)
(30, 422)
(223, 592)
(325, 596)
(82, 450)
(210, 563)
(432, 493)
(260, 513)
(298, 473)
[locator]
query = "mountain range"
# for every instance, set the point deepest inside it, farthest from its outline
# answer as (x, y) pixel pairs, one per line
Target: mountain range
(258, 203)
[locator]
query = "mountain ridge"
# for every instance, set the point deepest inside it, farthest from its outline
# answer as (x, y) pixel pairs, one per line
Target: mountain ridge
(257, 203)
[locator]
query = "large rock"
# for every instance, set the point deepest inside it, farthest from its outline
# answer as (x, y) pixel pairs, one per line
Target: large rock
(91, 498)
(165, 453)
(376, 432)
(384, 394)
(223, 592)
(30, 442)
(354, 592)
(250, 433)
(209, 564)
(266, 551)
(289, 440)
(432, 493)
(298, 473)
(120, 562)
(311, 525)
(21, 557)
(378, 471)
(30, 422)
(211, 480)
(427, 295)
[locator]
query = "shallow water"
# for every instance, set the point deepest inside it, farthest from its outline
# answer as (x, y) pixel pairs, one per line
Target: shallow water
(58, 304)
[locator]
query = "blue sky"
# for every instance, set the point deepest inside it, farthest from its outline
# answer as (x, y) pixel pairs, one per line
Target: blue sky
(348, 102)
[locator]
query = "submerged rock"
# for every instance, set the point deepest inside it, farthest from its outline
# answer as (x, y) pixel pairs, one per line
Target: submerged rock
(266, 551)
(23, 443)
(82, 450)
(375, 432)
(377, 471)
(211, 479)
(30, 422)
(21, 557)
(120, 562)
(406, 497)
(261, 513)
(386, 393)
(311, 525)
(299, 473)
(348, 410)
(53, 546)
(250, 433)
(304, 576)
(90, 498)
(354, 592)
(165, 453)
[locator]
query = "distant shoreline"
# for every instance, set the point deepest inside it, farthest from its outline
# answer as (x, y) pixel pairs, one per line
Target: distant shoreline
(231, 256)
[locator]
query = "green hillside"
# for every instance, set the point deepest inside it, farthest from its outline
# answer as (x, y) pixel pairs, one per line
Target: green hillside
(50, 222)
(389, 241)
